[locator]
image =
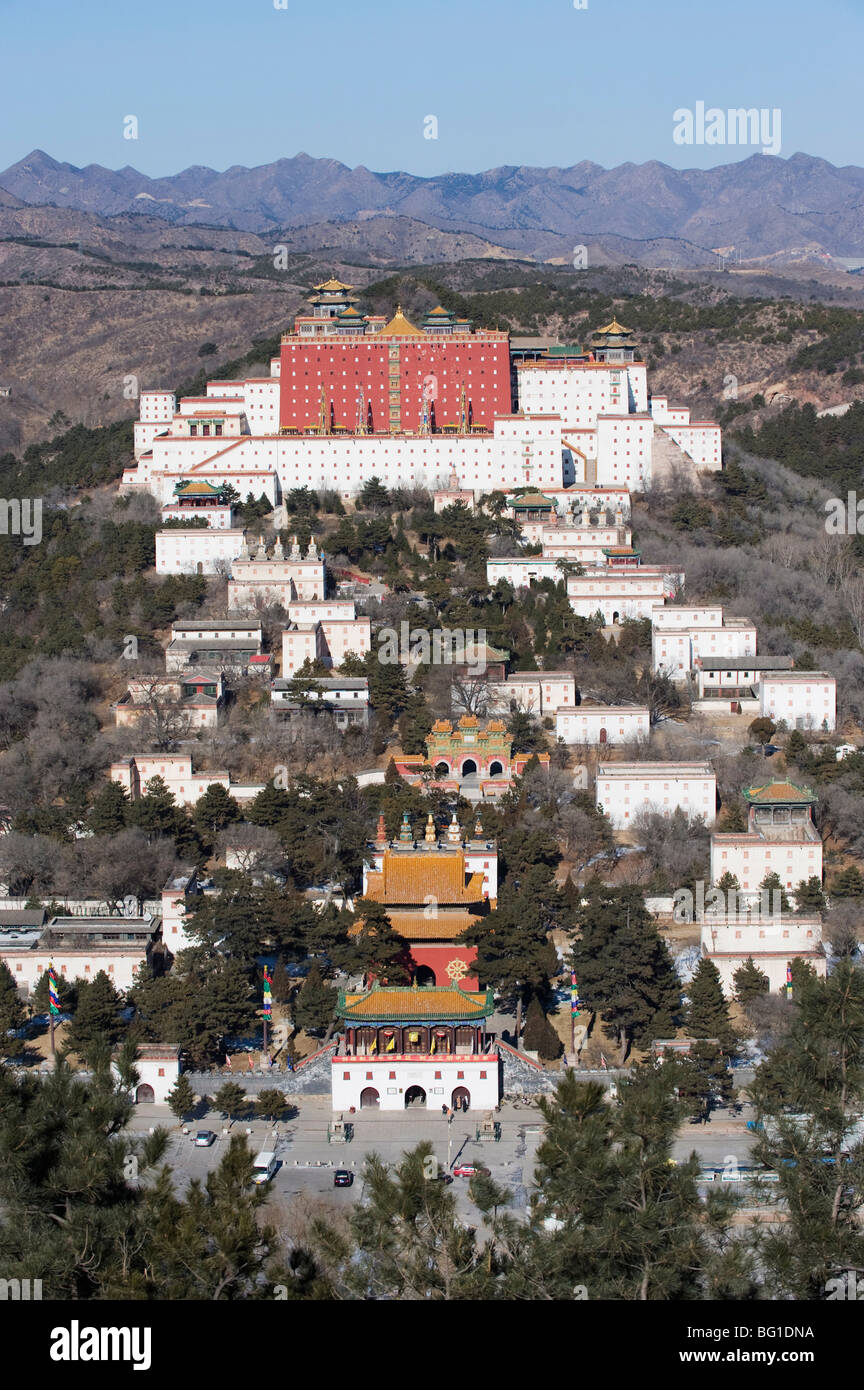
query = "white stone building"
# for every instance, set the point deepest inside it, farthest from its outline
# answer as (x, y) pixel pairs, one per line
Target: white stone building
(682, 635)
(539, 693)
(771, 942)
(198, 549)
(626, 789)
(781, 839)
(804, 699)
(622, 593)
(79, 947)
(599, 724)
(275, 577)
(175, 769)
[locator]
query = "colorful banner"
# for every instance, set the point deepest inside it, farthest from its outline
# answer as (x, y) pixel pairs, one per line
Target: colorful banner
(268, 997)
(575, 1001)
(789, 979)
(53, 991)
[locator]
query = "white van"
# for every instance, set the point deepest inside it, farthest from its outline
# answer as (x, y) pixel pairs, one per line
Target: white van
(264, 1167)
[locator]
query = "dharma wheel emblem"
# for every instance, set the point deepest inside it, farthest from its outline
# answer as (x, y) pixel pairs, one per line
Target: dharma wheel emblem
(457, 970)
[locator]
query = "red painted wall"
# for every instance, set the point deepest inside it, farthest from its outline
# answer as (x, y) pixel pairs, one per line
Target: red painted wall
(438, 957)
(342, 367)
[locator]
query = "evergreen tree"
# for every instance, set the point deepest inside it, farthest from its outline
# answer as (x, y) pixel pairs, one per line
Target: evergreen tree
(66, 991)
(707, 1013)
(181, 1098)
(750, 982)
(626, 1223)
(202, 1000)
(372, 948)
(156, 812)
(624, 968)
(109, 811)
(12, 1013)
(215, 810)
(809, 896)
(231, 1100)
(315, 1003)
(849, 883)
(539, 1035)
(772, 884)
(96, 1015)
(212, 1244)
(808, 1095)
(271, 1104)
(405, 1240)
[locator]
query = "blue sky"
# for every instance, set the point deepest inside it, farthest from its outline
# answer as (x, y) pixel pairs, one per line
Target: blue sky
(513, 82)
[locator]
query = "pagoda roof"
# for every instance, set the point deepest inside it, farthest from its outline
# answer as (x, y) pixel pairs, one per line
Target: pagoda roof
(198, 488)
(614, 328)
(331, 286)
(531, 499)
(400, 327)
(414, 878)
(350, 313)
(414, 926)
(776, 793)
(383, 1004)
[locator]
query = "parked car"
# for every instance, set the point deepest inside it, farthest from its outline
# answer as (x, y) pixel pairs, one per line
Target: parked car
(204, 1138)
(470, 1170)
(443, 1176)
(343, 1178)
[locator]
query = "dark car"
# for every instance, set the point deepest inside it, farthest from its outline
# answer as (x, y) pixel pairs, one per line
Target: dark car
(342, 1178)
(204, 1138)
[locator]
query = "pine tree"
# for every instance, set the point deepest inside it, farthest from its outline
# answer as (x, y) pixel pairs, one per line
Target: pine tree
(808, 1095)
(110, 809)
(772, 884)
(156, 812)
(271, 1104)
(12, 1014)
(216, 809)
(96, 1015)
(624, 968)
(373, 949)
(849, 883)
(315, 1003)
(539, 1035)
(707, 1012)
(231, 1100)
(809, 896)
(181, 1098)
(750, 982)
(66, 991)
(626, 1223)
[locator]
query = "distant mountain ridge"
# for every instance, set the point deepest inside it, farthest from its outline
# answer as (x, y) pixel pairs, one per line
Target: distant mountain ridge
(763, 206)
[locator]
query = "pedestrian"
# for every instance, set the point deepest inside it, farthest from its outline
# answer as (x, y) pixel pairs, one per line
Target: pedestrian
(443, 1109)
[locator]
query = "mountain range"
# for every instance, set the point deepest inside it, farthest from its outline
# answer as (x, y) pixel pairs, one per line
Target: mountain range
(764, 207)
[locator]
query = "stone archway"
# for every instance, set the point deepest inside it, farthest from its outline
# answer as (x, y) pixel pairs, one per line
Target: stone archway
(461, 1098)
(496, 768)
(442, 769)
(415, 1096)
(603, 736)
(425, 975)
(469, 768)
(369, 1098)
(144, 1095)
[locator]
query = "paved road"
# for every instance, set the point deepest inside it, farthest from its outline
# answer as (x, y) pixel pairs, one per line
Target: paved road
(307, 1161)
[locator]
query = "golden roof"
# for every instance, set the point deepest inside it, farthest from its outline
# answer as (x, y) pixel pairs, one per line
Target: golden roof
(413, 878)
(396, 1004)
(330, 286)
(613, 327)
(413, 926)
(439, 310)
(400, 327)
